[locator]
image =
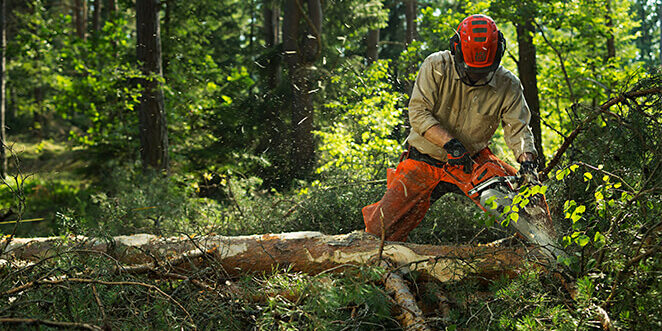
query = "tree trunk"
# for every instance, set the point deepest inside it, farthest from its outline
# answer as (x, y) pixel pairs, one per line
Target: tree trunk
(271, 30)
(3, 86)
(373, 46)
(80, 18)
(273, 142)
(302, 48)
(109, 9)
(528, 76)
(96, 19)
(410, 16)
(153, 132)
(310, 252)
(166, 30)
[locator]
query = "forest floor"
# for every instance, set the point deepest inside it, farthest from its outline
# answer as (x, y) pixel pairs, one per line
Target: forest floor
(53, 174)
(47, 157)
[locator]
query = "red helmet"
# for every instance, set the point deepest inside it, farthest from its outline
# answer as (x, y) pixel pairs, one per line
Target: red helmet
(478, 45)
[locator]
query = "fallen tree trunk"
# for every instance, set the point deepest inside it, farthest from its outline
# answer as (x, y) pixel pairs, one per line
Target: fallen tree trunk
(309, 252)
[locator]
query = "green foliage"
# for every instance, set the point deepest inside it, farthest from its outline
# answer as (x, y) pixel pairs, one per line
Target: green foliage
(359, 142)
(43, 198)
(208, 81)
(283, 300)
(529, 303)
(295, 301)
(85, 83)
(647, 13)
(147, 203)
(605, 196)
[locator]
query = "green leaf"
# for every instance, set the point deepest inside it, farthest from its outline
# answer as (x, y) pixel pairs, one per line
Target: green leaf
(514, 217)
(599, 196)
(605, 178)
(587, 176)
(211, 86)
(599, 239)
(573, 167)
(575, 218)
(535, 190)
(517, 199)
(582, 240)
(569, 204)
(567, 241)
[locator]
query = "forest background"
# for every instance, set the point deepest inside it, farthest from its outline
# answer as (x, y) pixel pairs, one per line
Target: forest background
(247, 117)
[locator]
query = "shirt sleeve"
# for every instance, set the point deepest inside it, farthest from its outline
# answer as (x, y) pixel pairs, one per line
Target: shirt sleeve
(423, 98)
(515, 121)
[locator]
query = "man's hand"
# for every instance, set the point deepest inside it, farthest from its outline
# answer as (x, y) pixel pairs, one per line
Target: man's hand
(528, 173)
(458, 155)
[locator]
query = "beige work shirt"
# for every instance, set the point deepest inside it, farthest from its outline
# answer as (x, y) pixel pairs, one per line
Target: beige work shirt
(469, 113)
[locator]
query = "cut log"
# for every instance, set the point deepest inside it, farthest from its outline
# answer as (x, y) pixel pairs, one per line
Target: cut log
(310, 252)
(411, 316)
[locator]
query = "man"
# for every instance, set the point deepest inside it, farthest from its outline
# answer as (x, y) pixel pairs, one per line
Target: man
(457, 102)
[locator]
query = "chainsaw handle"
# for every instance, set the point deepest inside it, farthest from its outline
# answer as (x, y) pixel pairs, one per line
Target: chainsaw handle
(507, 180)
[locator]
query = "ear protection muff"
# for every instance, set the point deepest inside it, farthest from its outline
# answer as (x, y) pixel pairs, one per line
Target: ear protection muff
(501, 48)
(455, 44)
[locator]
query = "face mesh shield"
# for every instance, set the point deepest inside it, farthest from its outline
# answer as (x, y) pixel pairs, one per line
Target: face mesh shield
(463, 71)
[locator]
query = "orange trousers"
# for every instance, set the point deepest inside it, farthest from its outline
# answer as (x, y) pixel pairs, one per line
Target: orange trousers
(408, 192)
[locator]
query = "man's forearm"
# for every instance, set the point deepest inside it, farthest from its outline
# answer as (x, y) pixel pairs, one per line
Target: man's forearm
(437, 135)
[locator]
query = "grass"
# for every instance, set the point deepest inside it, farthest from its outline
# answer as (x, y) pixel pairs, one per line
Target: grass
(51, 173)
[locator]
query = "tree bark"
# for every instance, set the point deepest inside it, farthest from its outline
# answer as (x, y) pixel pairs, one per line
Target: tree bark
(109, 8)
(80, 18)
(528, 71)
(153, 132)
(302, 48)
(273, 141)
(310, 252)
(96, 19)
(411, 33)
(271, 31)
(166, 30)
(410, 316)
(3, 86)
(373, 46)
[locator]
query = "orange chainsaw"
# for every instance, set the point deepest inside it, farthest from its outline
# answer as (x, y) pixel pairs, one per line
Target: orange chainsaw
(495, 191)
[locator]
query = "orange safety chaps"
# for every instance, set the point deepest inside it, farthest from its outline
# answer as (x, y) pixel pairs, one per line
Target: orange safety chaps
(407, 197)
